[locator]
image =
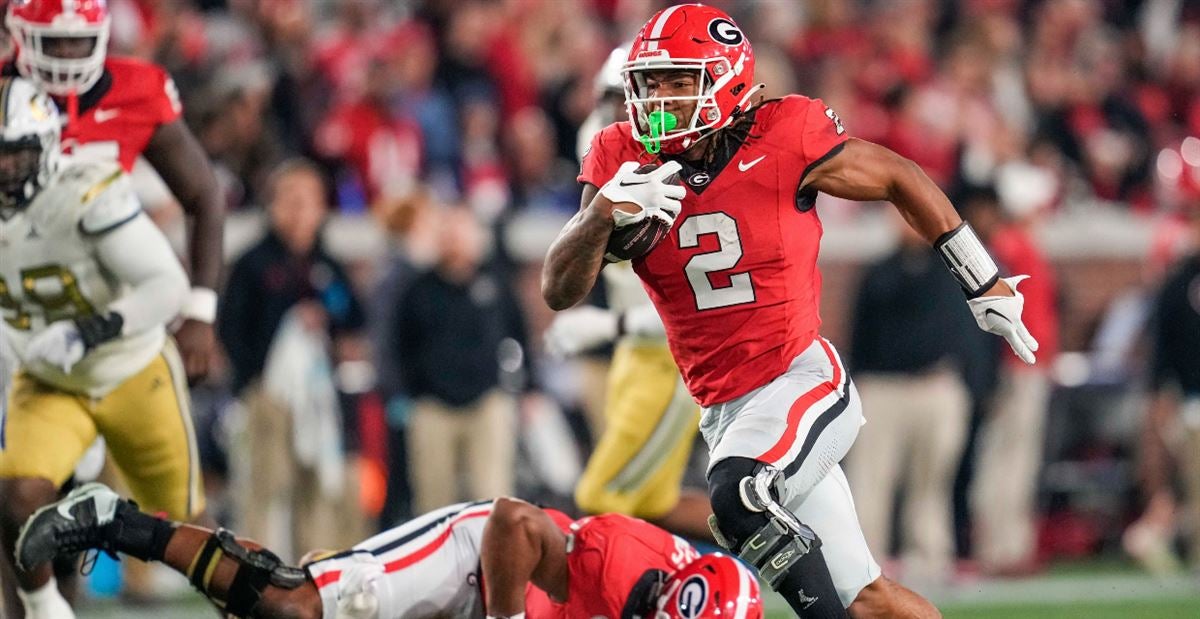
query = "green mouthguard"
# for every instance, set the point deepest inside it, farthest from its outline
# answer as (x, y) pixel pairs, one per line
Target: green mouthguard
(660, 123)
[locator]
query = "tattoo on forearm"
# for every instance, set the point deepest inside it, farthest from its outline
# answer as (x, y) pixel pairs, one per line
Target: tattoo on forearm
(576, 256)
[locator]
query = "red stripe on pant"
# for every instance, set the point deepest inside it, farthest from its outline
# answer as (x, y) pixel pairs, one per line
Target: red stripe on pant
(802, 405)
(411, 558)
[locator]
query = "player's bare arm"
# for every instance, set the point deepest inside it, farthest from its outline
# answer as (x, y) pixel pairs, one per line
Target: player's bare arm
(521, 544)
(577, 254)
(635, 196)
(179, 159)
(869, 172)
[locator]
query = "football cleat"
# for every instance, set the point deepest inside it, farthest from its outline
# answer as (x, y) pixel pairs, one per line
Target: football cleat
(80, 521)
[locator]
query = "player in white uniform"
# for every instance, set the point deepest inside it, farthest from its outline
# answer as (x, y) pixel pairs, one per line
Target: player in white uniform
(87, 283)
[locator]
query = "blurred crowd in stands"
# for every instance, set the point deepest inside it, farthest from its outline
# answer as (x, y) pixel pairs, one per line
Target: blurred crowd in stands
(452, 124)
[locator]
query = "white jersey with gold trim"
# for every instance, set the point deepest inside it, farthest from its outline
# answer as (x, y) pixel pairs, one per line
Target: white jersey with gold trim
(59, 260)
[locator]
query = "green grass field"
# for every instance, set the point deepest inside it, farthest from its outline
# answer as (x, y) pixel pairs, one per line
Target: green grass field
(1093, 590)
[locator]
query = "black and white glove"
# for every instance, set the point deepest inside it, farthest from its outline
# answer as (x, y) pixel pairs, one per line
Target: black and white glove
(1002, 316)
(649, 190)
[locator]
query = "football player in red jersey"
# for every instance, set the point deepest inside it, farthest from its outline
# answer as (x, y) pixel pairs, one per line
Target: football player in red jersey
(117, 109)
(737, 286)
(496, 558)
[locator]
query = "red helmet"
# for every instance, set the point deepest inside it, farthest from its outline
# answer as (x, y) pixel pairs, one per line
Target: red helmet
(34, 23)
(689, 37)
(713, 586)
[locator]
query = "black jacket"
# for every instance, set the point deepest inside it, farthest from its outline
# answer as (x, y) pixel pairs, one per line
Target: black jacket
(264, 284)
(446, 340)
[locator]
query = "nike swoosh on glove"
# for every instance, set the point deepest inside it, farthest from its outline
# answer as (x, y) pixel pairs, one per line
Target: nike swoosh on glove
(580, 329)
(59, 345)
(649, 190)
(1002, 316)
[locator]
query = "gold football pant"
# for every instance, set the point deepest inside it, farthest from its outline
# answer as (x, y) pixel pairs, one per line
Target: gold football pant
(650, 425)
(146, 422)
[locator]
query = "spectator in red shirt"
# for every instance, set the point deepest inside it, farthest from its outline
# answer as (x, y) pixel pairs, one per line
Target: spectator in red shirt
(380, 149)
(1010, 452)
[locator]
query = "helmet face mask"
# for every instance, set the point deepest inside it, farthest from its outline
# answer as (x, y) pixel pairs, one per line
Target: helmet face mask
(20, 165)
(694, 113)
(699, 40)
(61, 44)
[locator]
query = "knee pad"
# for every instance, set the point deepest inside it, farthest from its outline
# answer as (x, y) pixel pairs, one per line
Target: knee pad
(257, 568)
(749, 519)
(734, 522)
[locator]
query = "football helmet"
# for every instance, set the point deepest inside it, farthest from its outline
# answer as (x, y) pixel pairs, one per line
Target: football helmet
(715, 585)
(41, 27)
(693, 38)
(29, 141)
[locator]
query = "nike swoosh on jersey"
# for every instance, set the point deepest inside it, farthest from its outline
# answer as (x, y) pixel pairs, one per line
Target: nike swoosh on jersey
(105, 115)
(743, 166)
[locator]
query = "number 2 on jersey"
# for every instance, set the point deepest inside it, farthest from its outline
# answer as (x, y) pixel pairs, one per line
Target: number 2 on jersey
(740, 289)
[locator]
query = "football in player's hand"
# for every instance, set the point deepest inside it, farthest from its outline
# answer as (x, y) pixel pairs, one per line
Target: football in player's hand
(636, 240)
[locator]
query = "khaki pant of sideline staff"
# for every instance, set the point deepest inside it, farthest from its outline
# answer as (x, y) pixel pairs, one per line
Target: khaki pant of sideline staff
(278, 499)
(916, 425)
(477, 442)
(1010, 458)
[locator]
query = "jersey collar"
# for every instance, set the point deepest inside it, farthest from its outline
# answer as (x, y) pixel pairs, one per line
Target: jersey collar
(726, 142)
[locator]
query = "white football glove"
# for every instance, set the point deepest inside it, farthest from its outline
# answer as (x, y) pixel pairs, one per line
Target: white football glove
(580, 329)
(357, 590)
(59, 345)
(650, 191)
(1002, 316)
(643, 320)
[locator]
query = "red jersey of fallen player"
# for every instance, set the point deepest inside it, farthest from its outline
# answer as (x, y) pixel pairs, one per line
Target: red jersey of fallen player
(118, 116)
(606, 556)
(736, 282)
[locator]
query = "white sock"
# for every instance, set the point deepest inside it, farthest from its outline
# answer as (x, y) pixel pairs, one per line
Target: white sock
(45, 602)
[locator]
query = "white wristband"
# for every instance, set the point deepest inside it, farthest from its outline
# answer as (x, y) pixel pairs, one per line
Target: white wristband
(968, 260)
(516, 616)
(201, 305)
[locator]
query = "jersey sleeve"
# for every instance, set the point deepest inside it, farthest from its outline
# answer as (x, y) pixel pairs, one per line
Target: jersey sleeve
(109, 203)
(615, 551)
(600, 161)
(138, 254)
(822, 133)
(166, 104)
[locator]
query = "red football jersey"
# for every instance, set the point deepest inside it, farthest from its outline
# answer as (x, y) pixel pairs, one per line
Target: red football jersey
(606, 557)
(736, 283)
(137, 98)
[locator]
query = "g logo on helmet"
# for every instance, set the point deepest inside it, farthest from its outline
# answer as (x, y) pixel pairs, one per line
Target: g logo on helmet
(693, 596)
(725, 32)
